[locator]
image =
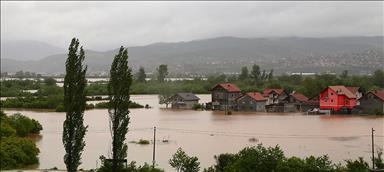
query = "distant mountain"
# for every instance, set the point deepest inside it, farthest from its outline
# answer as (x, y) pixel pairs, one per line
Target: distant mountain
(27, 50)
(228, 54)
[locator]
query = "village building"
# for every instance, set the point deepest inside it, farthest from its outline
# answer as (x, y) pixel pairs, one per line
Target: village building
(276, 98)
(297, 102)
(312, 104)
(183, 100)
(337, 98)
(224, 96)
(372, 102)
(252, 101)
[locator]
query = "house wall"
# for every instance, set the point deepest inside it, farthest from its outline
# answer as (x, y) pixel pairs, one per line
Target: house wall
(274, 98)
(179, 103)
(330, 100)
(220, 98)
(370, 104)
(246, 103)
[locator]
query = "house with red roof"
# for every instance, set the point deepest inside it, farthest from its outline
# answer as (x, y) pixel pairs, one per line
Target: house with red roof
(373, 102)
(251, 101)
(335, 98)
(275, 99)
(224, 96)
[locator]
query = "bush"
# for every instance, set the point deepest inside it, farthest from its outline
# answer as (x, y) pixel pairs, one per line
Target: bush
(197, 106)
(141, 142)
(24, 125)
(357, 165)
(105, 105)
(131, 167)
(17, 152)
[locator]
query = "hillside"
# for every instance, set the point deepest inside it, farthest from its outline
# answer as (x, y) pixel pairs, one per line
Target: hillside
(228, 54)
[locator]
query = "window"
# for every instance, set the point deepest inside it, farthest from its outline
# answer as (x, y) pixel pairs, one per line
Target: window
(331, 100)
(331, 94)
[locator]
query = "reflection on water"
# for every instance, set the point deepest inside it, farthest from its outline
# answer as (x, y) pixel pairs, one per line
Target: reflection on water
(206, 133)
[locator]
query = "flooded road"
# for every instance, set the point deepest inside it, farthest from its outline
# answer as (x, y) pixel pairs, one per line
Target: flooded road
(207, 133)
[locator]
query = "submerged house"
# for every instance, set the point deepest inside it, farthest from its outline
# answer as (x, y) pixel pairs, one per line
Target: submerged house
(372, 102)
(224, 96)
(252, 101)
(336, 98)
(297, 102)
(183, 100)
(276, 98)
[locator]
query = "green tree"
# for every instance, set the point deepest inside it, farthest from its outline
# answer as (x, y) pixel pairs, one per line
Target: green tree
(165, 93)
(270, 75)
(162, 72)
(74, 104)
(378, 78)
(255, 73)
(244, 73)
(118, 89)
(140, 75)
(184, 163)
(49, 81)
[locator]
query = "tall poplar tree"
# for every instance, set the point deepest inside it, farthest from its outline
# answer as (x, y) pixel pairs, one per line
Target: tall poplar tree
(118, 89)
(74, 104)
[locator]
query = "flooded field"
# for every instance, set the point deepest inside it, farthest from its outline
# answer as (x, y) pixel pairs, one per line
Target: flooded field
(207, 133)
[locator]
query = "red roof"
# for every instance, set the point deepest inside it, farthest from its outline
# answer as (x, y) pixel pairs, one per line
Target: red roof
(342, 90)
(299, 97)
(267, 91)
(354, 90)
(256, 96)
(379, 94)
(228, 87)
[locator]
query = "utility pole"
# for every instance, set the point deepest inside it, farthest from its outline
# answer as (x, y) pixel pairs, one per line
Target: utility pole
(154, 147)
(373, 150)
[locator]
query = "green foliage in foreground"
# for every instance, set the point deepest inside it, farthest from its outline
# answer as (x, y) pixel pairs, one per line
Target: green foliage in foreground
(184, 163)
(272, 159)
(131, 167)
(15, 151)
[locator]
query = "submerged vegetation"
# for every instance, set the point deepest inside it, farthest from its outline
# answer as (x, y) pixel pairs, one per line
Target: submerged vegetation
(141, 142)
(17, 151)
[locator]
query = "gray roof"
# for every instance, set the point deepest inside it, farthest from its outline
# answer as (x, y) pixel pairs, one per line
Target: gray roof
(188, 96)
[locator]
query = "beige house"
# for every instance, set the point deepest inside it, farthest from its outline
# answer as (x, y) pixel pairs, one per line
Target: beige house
(183, 100)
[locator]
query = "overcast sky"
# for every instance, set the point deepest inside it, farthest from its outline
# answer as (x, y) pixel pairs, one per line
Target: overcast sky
(106, 25)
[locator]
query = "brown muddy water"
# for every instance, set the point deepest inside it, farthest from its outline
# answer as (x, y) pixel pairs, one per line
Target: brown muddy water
(207, 133)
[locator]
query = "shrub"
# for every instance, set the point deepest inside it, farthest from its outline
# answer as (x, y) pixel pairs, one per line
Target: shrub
(24, 125)
(197, 106)
(17, 152)
(184, 163)
(105, 105)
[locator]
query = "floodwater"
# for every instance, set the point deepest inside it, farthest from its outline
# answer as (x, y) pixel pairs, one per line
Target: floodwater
(207, 133)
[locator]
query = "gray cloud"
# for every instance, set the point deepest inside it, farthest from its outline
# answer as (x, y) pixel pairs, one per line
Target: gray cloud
(105, 25)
